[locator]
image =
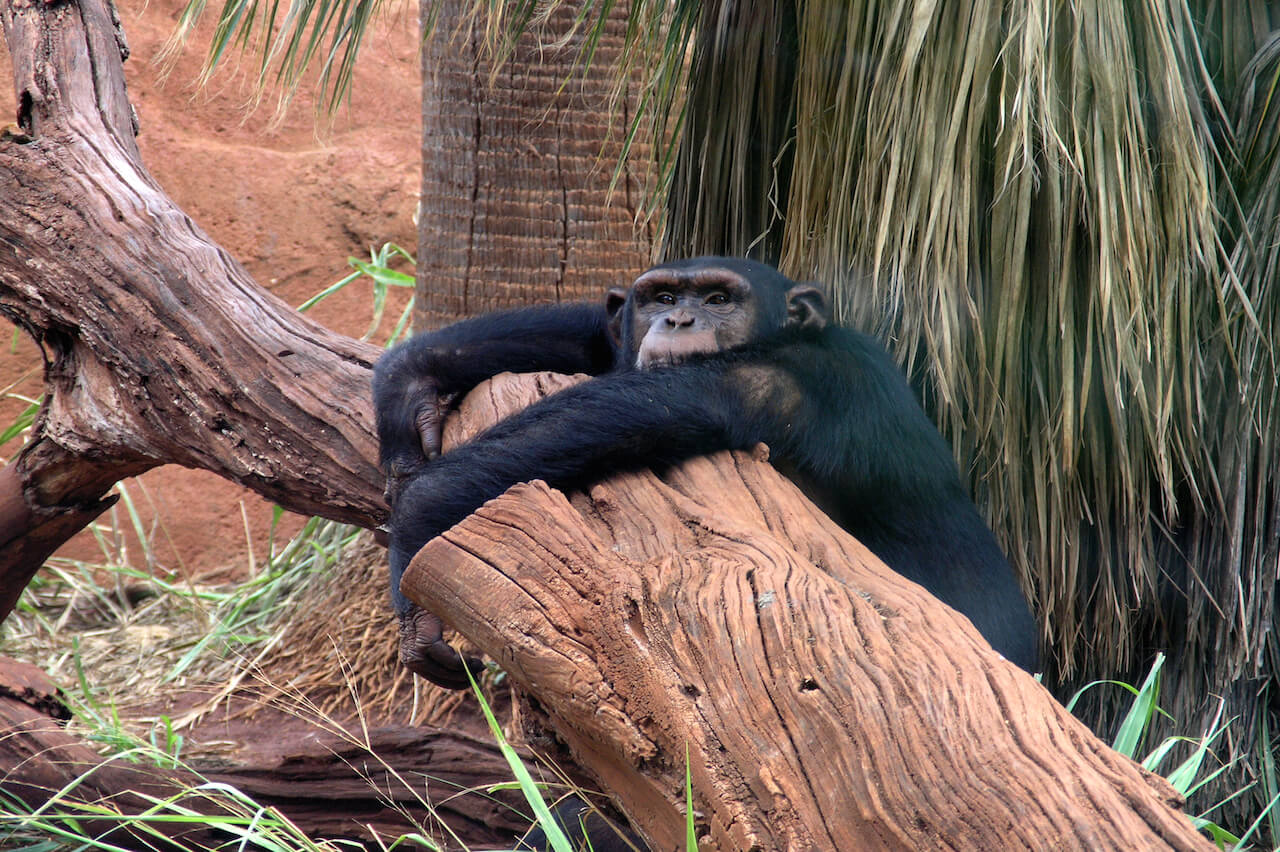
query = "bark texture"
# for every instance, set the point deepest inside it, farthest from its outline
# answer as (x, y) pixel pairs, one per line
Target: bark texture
(824, 702)
(158, 347)
(519, 199)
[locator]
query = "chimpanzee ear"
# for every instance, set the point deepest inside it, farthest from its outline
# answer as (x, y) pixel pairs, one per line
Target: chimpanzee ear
(806, 307)
(614, 302)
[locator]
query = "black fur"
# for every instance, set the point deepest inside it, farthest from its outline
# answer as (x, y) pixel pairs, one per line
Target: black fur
(835, 411)
(586, 830)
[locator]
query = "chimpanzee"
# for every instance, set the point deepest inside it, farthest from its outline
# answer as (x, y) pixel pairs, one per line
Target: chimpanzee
(698, 355)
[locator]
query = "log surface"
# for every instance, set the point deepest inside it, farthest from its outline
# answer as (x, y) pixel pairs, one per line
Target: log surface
(824, 701)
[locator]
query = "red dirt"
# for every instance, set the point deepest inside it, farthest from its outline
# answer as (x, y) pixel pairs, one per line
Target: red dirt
(291, 200)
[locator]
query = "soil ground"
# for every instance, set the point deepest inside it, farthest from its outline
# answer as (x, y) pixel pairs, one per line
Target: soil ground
(290, 197)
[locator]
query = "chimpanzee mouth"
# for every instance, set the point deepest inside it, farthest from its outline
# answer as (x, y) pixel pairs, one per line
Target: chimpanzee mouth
(665, 350)
(647, 361)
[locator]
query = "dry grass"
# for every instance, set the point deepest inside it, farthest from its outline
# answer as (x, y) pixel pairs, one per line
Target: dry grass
(352, 663)
(123, 645)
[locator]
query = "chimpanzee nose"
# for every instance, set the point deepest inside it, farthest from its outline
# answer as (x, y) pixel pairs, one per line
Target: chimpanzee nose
(679, 317)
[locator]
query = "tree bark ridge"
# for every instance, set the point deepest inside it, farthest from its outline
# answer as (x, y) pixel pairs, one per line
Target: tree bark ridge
(526, 141)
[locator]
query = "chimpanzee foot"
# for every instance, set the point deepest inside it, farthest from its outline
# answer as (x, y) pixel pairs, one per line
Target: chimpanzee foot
(423, 651)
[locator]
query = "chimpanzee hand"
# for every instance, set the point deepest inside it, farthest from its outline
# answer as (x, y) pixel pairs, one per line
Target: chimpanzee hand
(432, 408)
(423, 651)
(411, 453)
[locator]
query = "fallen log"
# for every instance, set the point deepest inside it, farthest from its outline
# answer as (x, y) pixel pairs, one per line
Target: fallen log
(820, 700)
(386, 781)
(328, 784)
(43, 766)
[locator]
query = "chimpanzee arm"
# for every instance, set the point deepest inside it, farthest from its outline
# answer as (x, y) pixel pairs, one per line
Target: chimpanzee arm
(570, 338)
(414, 383)
(620, 421)
(834, 408)
(625, 420)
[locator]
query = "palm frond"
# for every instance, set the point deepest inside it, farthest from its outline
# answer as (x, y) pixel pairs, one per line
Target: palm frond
(289, 39)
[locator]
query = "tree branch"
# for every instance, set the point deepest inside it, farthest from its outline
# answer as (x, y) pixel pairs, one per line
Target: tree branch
(158, 346)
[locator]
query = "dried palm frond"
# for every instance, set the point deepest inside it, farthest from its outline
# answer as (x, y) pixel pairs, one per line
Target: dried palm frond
(999, 190)
(289, 39)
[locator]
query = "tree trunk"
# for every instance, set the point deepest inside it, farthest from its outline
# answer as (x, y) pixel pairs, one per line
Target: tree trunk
(517, 168)
(821, 701)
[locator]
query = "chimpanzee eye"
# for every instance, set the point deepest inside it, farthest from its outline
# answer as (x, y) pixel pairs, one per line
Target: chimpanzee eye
(718, 298)
(665, 298)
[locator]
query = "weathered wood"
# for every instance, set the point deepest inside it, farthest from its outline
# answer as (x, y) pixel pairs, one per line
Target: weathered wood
(30, 533)
(158, 347)
(335, 786)
(824, 701)
(38, 758)
(329, 784)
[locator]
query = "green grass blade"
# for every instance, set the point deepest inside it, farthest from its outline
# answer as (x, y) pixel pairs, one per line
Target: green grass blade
(1140, 712)
(690, 828)
(528, 786)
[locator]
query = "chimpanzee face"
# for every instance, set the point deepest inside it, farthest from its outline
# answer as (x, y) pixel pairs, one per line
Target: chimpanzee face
(706, 305)
(678, 314)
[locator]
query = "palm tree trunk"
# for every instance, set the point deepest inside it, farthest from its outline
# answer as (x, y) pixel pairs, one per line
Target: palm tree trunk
(517, 164)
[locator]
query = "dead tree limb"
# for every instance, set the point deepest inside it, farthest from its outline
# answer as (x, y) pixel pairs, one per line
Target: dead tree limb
(158, 346)
(824, 701)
